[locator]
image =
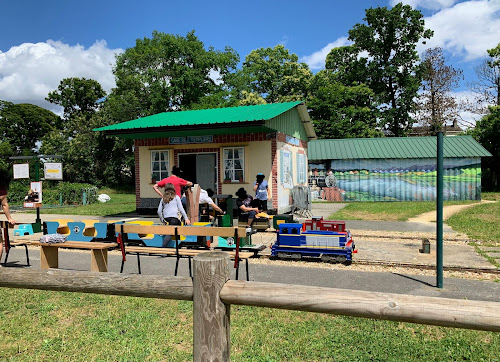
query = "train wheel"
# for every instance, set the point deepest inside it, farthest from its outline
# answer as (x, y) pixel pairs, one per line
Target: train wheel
(295, 256)
(333, 258)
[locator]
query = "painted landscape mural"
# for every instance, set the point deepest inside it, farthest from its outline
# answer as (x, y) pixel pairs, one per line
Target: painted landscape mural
(394, 180)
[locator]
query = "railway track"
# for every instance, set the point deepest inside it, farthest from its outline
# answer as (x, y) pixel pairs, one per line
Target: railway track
(426, 267)
(400, 265)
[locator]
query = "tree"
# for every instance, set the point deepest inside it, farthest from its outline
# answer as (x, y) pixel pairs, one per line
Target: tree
(77, 96)
(168, 73)
(436, 105)
(486, 133)
(387, 44)
(22, 125)
(275, 75)
(487, 86)
(340, 111)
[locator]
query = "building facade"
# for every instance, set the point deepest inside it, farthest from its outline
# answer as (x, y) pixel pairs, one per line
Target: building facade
(222, 149)
(394, 169)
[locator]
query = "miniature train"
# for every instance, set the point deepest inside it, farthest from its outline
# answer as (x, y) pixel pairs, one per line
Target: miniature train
(316, 238)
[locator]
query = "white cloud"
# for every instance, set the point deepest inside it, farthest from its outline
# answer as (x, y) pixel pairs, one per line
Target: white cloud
(28, 72)
(467, 29)
(425, 4)
(317, 59)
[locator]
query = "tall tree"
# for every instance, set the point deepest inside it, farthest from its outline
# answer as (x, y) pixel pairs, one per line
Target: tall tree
(22, 125)
(275, 75)
(436, 104)
(487, 86)
(168, 73)
(78, 96)
(387, 43)
(342, 111)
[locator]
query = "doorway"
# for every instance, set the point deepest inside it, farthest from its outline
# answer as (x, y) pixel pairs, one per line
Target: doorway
(200, 168)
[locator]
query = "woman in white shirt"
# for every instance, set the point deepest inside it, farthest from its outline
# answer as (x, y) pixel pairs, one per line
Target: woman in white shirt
(168, 209)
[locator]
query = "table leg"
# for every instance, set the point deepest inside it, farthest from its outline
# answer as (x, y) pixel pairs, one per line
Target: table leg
(49, 257)
(99, 260)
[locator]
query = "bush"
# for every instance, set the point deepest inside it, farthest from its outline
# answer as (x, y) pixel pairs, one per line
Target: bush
(72, 193)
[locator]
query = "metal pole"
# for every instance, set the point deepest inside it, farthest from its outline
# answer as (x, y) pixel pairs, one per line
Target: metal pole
(38, 222)
(439, 212)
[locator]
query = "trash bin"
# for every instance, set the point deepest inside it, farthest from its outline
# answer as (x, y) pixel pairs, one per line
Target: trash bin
(426, 246)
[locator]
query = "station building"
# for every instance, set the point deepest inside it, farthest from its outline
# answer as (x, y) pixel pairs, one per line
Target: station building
(222, 149)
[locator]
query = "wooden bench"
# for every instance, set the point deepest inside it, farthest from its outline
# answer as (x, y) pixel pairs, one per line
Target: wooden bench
(49, 253)
(4, 227)
(133, 247)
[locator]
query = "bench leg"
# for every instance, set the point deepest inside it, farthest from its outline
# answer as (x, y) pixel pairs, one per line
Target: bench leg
(99, 260)
(6, 257)
(190, 273)
(237, 268)
(246, 261)
(49, 257)
(121, 269)
(139, 263)
(27, 255)
(176, 265)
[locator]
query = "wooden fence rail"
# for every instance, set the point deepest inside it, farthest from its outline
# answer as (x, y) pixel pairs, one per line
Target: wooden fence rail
(212, 295)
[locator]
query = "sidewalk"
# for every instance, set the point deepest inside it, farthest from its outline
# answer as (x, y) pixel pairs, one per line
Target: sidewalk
(370, 248)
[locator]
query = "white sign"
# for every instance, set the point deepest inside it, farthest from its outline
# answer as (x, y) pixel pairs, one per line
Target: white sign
(53, 170)
(34, 197)
(21, 170)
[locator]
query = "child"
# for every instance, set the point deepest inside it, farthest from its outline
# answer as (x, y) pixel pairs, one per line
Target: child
(168, 208)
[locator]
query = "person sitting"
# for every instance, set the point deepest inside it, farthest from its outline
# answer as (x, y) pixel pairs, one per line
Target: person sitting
(247, 206)
(170, 205)
(206, 199)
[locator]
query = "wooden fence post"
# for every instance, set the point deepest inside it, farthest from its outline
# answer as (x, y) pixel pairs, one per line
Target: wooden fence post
(211, 330)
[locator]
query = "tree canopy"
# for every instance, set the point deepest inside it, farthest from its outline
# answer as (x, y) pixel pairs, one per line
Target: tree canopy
(22, 125)
(167, 73)
(436, 104)
(275, 75)
(77, 96)
(386, 44)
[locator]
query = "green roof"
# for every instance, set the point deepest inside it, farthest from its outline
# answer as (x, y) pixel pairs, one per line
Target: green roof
(256, 118)
(393, 147)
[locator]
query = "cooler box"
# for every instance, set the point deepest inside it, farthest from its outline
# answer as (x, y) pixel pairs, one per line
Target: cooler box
(224, 220)
(280, 219)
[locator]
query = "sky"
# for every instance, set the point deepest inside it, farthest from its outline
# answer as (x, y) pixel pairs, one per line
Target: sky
(43, 42)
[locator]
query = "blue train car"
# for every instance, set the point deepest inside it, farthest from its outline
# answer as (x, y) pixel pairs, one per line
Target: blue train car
(330, 246)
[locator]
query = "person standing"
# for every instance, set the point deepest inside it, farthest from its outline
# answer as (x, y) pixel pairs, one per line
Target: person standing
(261, 189)
(5, 208)
(175, 180)
(170, 205)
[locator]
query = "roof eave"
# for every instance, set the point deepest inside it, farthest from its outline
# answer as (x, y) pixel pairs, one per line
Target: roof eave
(306, 121)
(210, 126)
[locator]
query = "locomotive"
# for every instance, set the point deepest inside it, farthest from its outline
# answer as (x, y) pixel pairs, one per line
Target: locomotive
(315, 238)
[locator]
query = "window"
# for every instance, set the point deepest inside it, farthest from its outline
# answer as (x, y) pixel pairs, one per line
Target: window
(159, 165)
(301, 169)
(234, 162)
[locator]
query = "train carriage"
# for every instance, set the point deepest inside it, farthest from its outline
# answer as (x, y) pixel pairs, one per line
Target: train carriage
(295, 243)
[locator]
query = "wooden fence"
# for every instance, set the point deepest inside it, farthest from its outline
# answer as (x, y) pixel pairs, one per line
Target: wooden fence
(213, 293)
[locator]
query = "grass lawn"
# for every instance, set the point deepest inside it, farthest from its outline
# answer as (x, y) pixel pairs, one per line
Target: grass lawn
(479, 222)
(388, 211)
(120, 203)
(40, 325)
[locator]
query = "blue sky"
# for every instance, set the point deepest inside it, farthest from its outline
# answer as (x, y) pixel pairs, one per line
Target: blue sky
(43, 42)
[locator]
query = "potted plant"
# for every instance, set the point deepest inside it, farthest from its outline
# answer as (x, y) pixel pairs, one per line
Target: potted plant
(153, 178)
(227, 180)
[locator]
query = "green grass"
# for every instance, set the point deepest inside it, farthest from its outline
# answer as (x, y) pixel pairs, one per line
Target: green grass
(40, 325)
(480, 222)
(388, 211)
(120, 203)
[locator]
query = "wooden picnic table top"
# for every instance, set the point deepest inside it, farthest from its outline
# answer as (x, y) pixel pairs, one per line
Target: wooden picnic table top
(77, 245)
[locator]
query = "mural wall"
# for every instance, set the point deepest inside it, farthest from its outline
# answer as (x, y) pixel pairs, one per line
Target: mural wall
(394, 179)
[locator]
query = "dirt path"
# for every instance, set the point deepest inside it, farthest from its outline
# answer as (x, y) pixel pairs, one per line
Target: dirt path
(447, 212)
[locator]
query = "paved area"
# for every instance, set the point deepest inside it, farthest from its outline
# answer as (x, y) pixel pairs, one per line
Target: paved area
(369, 249)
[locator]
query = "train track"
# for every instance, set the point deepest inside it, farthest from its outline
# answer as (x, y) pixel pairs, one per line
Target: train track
(400, 265)
(426, 267)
